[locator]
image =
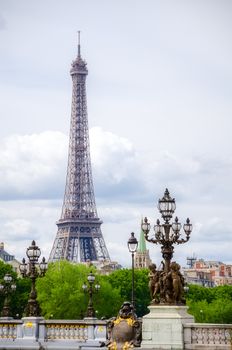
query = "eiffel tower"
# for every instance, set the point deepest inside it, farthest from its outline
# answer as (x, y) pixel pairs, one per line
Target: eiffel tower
(79, 237)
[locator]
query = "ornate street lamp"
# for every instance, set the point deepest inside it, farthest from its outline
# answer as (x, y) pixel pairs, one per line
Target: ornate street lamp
(6, 288)
(170, 282)
(91, 289)
(33, 269)
(132, 246)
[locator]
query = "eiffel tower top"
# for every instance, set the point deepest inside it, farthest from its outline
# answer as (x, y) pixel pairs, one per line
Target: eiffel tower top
(79, 66)
(79, 200)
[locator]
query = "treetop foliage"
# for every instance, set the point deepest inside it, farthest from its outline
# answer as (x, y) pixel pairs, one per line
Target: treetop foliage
(61, 296)
(210, 305)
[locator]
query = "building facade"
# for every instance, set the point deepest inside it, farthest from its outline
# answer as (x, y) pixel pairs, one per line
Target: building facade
(209, 273)
(142, 257)
(9, 259)
(4, 256)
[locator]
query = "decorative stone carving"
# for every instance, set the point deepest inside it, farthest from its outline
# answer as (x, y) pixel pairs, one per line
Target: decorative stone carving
(124, 331)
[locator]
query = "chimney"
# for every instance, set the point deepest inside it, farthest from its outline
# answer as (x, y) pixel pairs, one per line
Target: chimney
(1, 246)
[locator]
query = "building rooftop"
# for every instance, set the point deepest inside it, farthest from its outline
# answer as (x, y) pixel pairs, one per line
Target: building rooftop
(6, 257)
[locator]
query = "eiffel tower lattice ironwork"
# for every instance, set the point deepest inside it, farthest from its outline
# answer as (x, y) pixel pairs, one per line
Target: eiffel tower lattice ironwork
(79, 237)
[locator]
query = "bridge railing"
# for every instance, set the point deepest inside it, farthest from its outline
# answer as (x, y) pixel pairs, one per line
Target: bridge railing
(19, 333)
(56, 331)
(80, 330)
(10, 329)
(92, 331)
(207, 336)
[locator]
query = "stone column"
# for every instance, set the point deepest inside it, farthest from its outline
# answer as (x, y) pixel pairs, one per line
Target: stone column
(30, 328)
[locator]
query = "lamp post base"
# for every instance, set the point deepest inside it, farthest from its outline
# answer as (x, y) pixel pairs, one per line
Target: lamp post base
(30, 328)
(163, 327)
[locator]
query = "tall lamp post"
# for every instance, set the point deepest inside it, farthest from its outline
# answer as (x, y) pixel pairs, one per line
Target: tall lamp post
(167, 234)
(33, 269)
(90, 289)
(132, 246)
(6, 288)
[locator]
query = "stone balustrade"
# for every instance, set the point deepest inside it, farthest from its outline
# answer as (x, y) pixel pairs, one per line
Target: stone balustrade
(207, 336)
(89, 333)
(9, 329)
(37, 333)
(66, 331)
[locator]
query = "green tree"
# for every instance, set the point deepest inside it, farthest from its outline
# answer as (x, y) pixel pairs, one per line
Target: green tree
(199, 293)
(6, 268)
(18, 298)
(223, 292)
(210, 305)
(122, 280)
(61, 296)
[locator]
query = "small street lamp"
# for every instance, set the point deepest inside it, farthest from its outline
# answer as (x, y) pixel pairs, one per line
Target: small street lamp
(132, 246)
(32, 271)
(89, 289)
(6, 288)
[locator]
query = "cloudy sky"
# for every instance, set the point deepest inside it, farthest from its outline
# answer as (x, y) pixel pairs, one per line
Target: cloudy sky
(159, 104)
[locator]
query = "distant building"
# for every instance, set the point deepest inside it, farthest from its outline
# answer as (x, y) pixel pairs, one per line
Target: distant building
(105, 267)
(142, 257)
(209, 273)
(9, 259)
(6, 257)
(15, 266)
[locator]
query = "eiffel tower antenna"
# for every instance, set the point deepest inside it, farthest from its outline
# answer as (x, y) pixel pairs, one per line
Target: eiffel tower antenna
(79, 44)
(79, 237)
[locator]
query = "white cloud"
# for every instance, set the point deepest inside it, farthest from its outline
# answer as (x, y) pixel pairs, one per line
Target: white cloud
(30, 163)
(128, 185)
(18, 227)
(113, 156)
(117, 168)
(25, 220)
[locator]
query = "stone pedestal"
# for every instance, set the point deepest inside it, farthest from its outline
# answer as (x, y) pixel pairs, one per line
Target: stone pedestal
(163, 327)
(30, 328)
